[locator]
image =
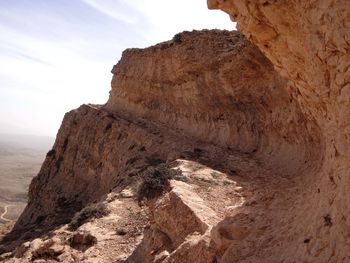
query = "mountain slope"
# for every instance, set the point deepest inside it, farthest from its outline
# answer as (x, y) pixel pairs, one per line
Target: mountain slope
(208, 103)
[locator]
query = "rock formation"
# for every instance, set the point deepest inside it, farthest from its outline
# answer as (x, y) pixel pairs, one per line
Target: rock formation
(261, 148)
(309, 43)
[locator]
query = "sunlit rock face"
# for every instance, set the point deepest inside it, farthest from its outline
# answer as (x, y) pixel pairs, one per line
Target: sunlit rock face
(201, 88)
(308, 42)
(218, 87)
(276, 127)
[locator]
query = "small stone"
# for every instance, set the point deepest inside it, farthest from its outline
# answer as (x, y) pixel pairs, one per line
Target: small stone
(161, 256)
(126, 193)
(22, 249)
(121, 232)
(49, 249)
(82, 240)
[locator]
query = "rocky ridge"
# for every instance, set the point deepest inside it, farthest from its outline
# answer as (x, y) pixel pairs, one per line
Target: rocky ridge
(210, 104)
(309, 42)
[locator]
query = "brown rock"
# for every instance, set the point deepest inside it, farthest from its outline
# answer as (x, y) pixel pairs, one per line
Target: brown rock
(285, 132)
(154, 247)
(82, 240)
(48, 250)
(182, 212)
(160, 257)
(237, 101)
(228, 95)
(196, 249)
(308, 43)
(22, 249)
(231, 229)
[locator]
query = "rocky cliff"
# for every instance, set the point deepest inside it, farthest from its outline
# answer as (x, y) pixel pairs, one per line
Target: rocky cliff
(254, 152)
(309, 42)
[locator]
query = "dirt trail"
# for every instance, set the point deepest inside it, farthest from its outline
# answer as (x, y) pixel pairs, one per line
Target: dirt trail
(2, 216)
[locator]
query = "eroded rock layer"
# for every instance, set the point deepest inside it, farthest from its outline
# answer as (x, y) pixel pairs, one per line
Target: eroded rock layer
(213, 86)
(309, 43)
(218, 87)
(259, 174)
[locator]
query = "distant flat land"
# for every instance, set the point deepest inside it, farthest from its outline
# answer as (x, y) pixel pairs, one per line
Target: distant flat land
(20, 161)
(2, 210)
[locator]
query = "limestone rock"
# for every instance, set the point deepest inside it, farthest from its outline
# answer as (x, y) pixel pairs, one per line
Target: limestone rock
(196, 249)
(231, 229)
(308, 43)
(182, 212)
(228, 95)
(213, 86)
(266, 137)
(49, 249)
(159, 258)
(82, 240)
(22, 249)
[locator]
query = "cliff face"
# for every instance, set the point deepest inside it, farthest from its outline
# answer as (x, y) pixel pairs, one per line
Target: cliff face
(211, 86)
(309, 42)
(216, 87)
(262, 152)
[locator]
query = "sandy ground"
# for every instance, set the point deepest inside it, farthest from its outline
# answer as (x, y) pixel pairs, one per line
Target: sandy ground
(17, 168)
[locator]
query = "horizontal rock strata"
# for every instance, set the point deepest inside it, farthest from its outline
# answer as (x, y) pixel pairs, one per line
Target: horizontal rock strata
(259, 157)
(309, 43)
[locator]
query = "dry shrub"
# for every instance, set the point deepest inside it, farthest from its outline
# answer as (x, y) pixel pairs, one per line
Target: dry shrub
(96, 210)
(155, 181)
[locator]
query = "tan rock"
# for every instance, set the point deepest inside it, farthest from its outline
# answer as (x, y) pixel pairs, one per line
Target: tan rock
(228, 95)
(48, 250)
(308, 43)
(196, 249)
(82, 240)
(22, 249)
(212, 86)
(160, 257)
(231, 229)
(211, 96)
(126, 193)
(182, 212)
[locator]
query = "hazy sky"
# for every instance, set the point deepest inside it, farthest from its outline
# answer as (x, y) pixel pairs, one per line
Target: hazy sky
(57, 54)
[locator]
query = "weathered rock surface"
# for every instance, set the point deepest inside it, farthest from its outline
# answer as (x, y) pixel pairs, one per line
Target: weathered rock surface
(309, 43)
(263, 158)
(211, 86)
(217, 87)
(82, 240)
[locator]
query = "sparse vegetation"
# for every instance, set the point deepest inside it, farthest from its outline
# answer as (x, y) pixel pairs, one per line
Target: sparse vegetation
(198, 152)
(154, 160)
(177, 38)
(194, 166)
(142, 149)
(227, 182)
(195, 154)
(181, 177)
(97, 210)
(155, 181)
(132, 160)
(108, 127)
(50, 153)
(215, 175)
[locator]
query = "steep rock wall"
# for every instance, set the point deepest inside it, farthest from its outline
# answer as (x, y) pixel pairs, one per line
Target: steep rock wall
(203, 90)
(309, 43)
(216, 86)
(208, 86)
(95, 152)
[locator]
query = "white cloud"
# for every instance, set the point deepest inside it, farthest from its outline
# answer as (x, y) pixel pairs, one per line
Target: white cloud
(52, 61)
(169, 17)
(111, 9)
